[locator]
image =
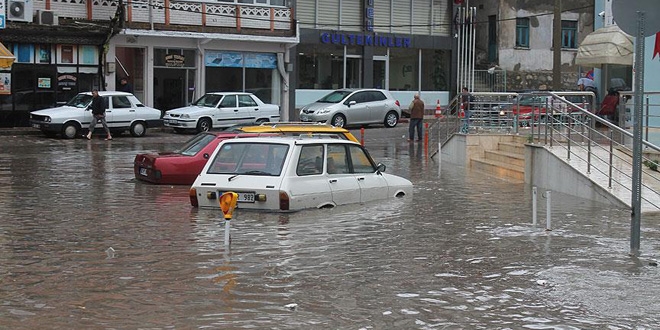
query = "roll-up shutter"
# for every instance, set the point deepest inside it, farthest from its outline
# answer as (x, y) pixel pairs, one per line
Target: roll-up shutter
(305, 10)
(442, 18)
(401, 16)
(422, 16)
(328, 14)
(382, 14)
(351, 15)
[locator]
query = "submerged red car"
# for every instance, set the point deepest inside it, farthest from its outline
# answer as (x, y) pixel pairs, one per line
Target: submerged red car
(180, 166)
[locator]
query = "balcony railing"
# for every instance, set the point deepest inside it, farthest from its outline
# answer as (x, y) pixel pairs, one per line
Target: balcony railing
(175, 14)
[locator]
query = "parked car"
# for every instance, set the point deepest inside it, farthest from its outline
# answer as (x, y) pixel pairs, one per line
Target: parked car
(182, 166)
(123, 112)
(292, 173)
(531, 108)
(354, 107)
(217, 110)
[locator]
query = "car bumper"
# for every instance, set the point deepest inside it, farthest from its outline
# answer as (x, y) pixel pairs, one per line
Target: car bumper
(179, 123)
(45, 126)
(155, 123)
(314, 118)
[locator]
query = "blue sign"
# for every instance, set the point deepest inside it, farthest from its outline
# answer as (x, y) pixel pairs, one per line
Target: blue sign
(350, 39)
(261, 60)
(224, 59)
(2, 21)
(2, 13)
(369, 15)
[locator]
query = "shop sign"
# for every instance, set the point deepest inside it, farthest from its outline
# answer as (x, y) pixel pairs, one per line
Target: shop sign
(261, 60)
(350, 39)
(369, 15)
(2, 14)
(43, 82)
(174, 60)
(223, 59)
(66, 82)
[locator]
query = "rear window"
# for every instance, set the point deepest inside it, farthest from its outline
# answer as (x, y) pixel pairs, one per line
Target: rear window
(196, 144)
(264, 159)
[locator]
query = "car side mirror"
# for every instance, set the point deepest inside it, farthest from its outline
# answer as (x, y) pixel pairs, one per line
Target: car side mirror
(380, 167)
(352, 103)
(206, 156)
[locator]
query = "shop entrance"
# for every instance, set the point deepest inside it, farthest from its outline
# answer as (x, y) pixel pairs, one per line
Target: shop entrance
(381, 72)
(173, 88)
(130, 65)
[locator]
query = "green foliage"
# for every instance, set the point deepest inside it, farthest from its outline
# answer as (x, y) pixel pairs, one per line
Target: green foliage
(438, 74)
(651, 164)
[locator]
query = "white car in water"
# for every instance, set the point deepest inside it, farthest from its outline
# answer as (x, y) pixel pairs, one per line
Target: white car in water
(220, 110)
(123, 112)
(286, 173)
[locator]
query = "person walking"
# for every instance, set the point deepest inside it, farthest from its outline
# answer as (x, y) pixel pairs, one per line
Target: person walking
(98, 114)
(416, 118)
(124, 86)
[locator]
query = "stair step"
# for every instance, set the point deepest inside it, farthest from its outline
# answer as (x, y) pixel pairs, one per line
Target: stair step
(511, 147)
(500, 169)
(505, 157)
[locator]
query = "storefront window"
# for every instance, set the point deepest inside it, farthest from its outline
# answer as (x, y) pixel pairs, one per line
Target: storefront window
(435, 70)
(404, 69)
(321, 69)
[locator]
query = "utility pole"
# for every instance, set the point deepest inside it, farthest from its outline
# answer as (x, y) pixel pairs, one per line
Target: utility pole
(556, 48)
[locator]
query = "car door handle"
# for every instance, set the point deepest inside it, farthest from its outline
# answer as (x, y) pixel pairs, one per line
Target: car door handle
(360, 178)
(256, 109)
(131, 110)
(235, 110)
(333, 180)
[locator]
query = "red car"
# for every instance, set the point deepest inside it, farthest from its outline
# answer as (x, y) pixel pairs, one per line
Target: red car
(181, 166)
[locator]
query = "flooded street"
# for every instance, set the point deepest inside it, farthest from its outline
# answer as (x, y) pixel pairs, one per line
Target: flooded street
(83, 245)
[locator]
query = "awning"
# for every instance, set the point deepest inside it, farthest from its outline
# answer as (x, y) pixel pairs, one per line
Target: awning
(6, 57)
(608, 45)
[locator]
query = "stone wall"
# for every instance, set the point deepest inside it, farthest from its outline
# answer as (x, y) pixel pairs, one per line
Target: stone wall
(539, 80)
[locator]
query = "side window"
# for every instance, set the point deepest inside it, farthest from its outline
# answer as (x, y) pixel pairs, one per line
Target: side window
(311, 160)
(377, 96)
(361, 160)
(229, 101)
(119, 102)
(337, 160)
(358, 97)
(246, 101)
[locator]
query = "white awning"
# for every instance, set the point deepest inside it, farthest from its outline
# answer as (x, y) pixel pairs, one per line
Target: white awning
(608, 45)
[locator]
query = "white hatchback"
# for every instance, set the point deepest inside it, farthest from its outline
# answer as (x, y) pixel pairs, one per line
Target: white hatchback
(217, 110)
(123, 112)
(287, 173)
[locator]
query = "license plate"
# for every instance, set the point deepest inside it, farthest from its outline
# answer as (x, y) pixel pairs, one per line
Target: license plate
(143, 171)
(36, 126)
(304, 118)
(243, 197)
(172, 121)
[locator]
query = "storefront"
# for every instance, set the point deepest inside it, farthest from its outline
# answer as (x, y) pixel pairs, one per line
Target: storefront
(330, 60)
(185, 67)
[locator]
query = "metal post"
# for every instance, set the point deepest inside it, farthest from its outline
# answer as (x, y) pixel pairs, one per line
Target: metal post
(548, 210)
(227, 227)
(609, 184)
(534, 197)
(547, 118)
(637, 138)
(646, 127)
(568, 139)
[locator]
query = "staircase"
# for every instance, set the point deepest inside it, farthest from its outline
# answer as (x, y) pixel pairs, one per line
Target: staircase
(507, 161)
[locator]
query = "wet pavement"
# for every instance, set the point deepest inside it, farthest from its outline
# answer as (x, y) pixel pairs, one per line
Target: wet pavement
(85, 246)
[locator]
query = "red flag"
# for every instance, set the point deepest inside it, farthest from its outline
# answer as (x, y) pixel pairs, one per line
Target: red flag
(656, 49)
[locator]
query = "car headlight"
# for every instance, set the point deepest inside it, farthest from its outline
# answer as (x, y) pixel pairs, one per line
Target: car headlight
(185, 116)
(47, 119)
(322, 111)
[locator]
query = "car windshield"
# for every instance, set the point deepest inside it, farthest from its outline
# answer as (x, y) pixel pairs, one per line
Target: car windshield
(196, 144)
(80, 101)
(334, 97)
(262, 159)
(208, 100)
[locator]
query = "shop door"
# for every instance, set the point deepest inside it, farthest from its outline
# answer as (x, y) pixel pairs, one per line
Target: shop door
(170, 88)
(381, 73)
(353, 72)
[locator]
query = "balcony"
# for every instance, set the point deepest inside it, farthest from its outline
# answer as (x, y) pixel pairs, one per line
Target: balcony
(180, 15)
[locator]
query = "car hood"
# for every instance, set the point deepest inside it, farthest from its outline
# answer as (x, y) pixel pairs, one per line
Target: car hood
(191, 109)
(318, 106)
(64, 110)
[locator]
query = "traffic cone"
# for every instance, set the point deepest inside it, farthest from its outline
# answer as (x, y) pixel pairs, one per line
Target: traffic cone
(461, 113)
(438, 110)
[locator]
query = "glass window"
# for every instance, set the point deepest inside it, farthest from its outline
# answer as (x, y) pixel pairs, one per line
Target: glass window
(310, 161)
(196, 144)
(337, 160)
(377, 96)
(568, 34)
(404, 67)
(259, 82)
(361, 160)
(249, 159)
(228, 101)
(334, 97)
(359, 97)
(246, 101)
(121, 102)
(522, 32)
(320, 69)
(435, 69)
(208, 100)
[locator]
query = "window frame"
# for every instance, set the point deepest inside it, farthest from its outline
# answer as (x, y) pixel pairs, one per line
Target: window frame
(569, 34)
(522, 32)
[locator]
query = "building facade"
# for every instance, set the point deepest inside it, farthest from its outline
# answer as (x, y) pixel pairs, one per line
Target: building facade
(403, 46)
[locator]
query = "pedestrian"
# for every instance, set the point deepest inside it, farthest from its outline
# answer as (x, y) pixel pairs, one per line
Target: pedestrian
(586, 84)
(466, 103)
(98, 114)
(124, 86)
(416, 118)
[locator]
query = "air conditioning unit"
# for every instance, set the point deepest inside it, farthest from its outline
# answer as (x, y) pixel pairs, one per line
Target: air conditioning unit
(19, 10)
(46, 17)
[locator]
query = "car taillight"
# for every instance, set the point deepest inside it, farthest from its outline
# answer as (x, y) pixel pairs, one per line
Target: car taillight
(193, 197)
(284, 201)
(397, 103)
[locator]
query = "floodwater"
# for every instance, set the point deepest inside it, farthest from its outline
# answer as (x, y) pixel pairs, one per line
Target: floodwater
(85, 246)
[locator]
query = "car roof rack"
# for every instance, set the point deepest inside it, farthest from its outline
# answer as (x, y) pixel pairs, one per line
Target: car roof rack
(294, 123)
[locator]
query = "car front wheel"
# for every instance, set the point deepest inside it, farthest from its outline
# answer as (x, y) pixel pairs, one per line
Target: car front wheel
(338, 121)
(204, 125)
(391, 119)
(138, 129)
(70, 130)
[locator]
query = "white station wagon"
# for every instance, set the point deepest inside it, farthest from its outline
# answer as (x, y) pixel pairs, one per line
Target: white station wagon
(217, 110)
(287, 173)
(123, 112)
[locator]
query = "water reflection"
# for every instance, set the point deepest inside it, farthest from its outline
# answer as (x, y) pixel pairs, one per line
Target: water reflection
(461, 253)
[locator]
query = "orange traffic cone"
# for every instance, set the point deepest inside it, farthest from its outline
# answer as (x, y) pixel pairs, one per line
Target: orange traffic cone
(461, 113)
(438, 110)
